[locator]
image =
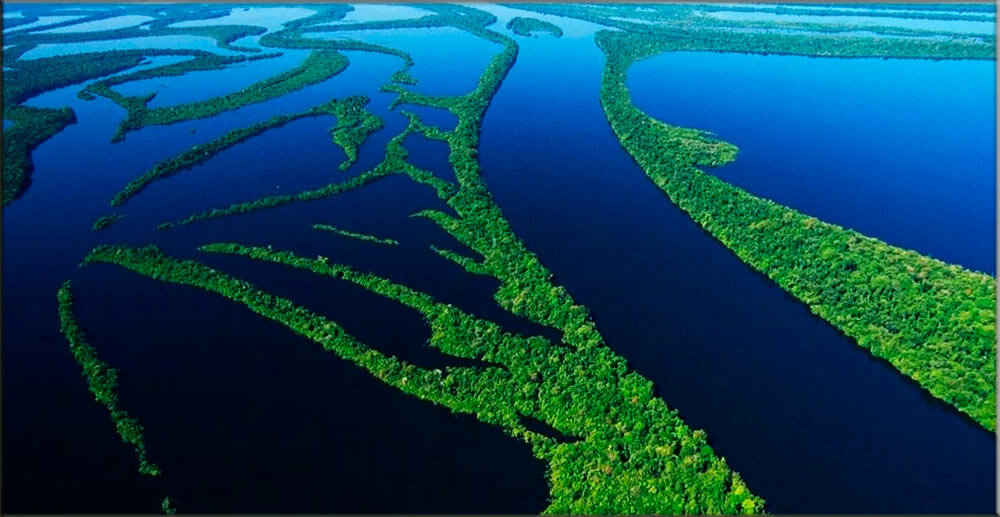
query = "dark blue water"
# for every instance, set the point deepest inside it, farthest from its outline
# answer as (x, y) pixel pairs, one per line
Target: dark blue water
(812, 422)
(454, 72)
(172, 91)
(241, 414)
(244, 416)
(901, 150)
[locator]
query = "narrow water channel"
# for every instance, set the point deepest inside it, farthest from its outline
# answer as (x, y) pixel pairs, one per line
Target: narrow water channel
(812, 422)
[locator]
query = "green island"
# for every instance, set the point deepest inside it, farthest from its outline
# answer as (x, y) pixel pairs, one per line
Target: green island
(609, 442)
(633, 454)
(105, 221)
(32, 126)
(28, 78)
(354, 125)
(685, 23)
(102, 380)
(934, 322)
(319, 66)
(527, 26)
(358, 236)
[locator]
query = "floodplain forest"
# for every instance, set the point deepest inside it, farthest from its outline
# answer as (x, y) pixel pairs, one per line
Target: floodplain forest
(609, 440)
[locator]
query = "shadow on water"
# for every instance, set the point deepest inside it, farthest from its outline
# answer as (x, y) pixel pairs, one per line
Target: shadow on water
(811, 421)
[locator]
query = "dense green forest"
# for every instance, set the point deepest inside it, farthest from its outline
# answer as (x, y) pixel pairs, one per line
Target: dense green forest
(527, 26)
(613, 468)
(354, 126)
(622, 433)
(933, 321)
(105, 221)
(354, 235)
(613, 446)
(102, 380)
(685, 21)
(319, 66)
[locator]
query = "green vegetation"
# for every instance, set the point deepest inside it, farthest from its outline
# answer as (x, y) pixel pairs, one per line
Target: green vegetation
(830, 11)
(324, 14)
(318, 67)
(404, 77)
(393, 163)
(633, 454)
(200, 153)
(684, 26)
(933, 321)
(105, 221)
(167, 506)
(102, 380)
(359, 236)
(32, 126)
(200, 61)
(526, 26)
(354, 125)
(224, 35)
(616, 447)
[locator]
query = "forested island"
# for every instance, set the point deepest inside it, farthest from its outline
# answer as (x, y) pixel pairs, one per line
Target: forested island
(609, 440)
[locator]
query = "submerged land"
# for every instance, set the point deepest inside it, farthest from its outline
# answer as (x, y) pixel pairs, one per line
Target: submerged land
(609, 442)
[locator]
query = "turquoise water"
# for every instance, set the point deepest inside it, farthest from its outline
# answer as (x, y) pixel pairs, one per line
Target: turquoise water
(373, 13)
(159, 42)
(271, 18)
(172, 91)
(116, 22)
(970, 27)
(42, 20)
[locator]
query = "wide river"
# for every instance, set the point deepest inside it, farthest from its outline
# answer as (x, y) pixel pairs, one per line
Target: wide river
(243, 416)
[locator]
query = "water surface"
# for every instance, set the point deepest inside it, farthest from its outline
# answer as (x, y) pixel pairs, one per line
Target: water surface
(106, 24)
(901, 150)
(788, 401)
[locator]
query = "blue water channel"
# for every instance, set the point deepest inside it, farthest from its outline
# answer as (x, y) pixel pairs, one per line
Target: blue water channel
(244, 416)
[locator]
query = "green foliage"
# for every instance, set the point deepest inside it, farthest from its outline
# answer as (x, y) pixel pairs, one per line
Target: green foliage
(167, 506)
(32, 126)
(687, 23)
(224, 35)
(617, 448)
(403, 77)
(629, 453)
(318, 67)
(919, 13)
(526, 26)
(102, 380)
(933, 321)
(105, 221)
(354, 125)
(393, 163)
(358, 236)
